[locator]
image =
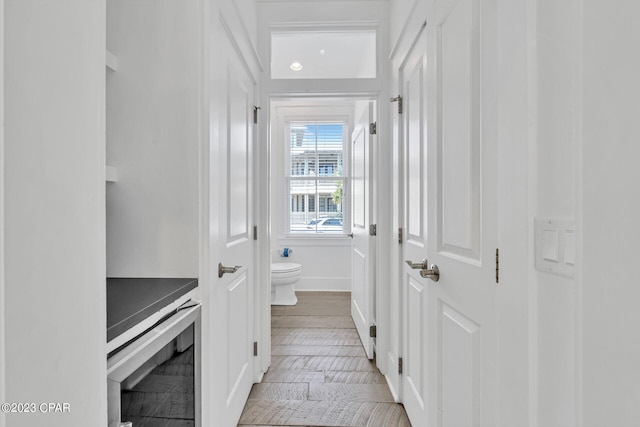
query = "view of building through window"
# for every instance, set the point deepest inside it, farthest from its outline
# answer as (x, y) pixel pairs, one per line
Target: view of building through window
(315, 176)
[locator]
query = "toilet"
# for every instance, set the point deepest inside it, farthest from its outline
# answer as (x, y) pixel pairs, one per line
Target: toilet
(284, 276)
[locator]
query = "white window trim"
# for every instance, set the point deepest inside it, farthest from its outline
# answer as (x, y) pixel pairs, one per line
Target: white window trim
(346, 172)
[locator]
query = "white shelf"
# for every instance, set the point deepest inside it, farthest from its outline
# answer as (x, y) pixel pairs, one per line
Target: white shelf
(111, 61)
(112, 174)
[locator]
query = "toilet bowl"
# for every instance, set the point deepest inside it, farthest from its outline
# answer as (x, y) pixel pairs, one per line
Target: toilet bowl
(284, 276)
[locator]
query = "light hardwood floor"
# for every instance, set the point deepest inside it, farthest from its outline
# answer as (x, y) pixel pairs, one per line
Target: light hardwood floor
(319, 374)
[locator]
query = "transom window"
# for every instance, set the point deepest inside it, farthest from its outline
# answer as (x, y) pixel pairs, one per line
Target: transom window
(315, 179)
(323, 54)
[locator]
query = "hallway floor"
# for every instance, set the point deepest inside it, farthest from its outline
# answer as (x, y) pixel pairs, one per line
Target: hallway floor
(319, 374)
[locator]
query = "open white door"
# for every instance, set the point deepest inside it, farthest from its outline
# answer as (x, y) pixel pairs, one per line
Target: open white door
(450, 325)
(363, 245)
(233, 296)
(415, 289)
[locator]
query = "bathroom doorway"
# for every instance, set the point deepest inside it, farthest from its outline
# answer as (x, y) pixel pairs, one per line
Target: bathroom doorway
(321, 192)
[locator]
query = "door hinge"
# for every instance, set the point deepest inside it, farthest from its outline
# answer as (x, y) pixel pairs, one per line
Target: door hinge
(373, 128)
(373, 331)
(373, 230)
(255, 348)
(255, 114)
(255, 232)
(400, 235)
(497, 265)
(398, 99)
(400, 365)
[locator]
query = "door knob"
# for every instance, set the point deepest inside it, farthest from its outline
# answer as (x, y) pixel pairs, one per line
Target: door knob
(431, 271)
(350, 235)
(222, 269)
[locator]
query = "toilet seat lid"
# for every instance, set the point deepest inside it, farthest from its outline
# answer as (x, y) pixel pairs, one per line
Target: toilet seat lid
(285, 267)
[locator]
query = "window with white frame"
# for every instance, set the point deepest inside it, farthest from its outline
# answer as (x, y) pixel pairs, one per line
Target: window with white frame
(315, 178)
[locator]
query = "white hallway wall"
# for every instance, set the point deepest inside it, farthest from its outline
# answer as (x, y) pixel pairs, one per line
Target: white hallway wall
(587, 92)
(54, 190)
(555, 188)
(610, 205)
(153, 136)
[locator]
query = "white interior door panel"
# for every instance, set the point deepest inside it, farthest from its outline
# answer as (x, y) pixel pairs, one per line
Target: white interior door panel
(363, 245)
(234, 291)
(450, 325)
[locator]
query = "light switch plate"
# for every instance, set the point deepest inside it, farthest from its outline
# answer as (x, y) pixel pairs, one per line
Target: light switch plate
(555, 249)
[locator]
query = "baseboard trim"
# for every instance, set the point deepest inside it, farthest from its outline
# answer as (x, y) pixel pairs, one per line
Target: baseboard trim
(335, 291)
(324, 284)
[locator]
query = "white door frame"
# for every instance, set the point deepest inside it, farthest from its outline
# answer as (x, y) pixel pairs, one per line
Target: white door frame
(290, 16)
(381, 214)
(262, 254)
(399, 54)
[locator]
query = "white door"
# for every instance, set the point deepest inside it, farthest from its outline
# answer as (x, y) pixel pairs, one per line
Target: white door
(414, 288)
(363, 245)
(450, 346)
(234, 291)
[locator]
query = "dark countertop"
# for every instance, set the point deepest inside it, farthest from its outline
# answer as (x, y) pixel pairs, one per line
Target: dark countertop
(131, 300)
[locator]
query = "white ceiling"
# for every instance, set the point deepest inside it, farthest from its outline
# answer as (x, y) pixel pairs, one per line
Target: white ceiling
(324, 54)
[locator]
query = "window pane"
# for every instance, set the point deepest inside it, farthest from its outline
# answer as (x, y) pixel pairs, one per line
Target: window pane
(304, 218)
(316, 153)
(299, 217)
(316, 149)
(303, 149)
(329, 148)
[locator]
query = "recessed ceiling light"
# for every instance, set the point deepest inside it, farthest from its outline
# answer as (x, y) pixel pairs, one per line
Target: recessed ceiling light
(322, 51)
(296, 66)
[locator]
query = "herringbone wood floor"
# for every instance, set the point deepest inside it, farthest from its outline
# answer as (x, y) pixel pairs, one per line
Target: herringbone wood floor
(319, 374)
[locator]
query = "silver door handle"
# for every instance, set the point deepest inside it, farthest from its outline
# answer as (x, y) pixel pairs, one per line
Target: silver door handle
(431, 271)
(419, 266)
(222, 269)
